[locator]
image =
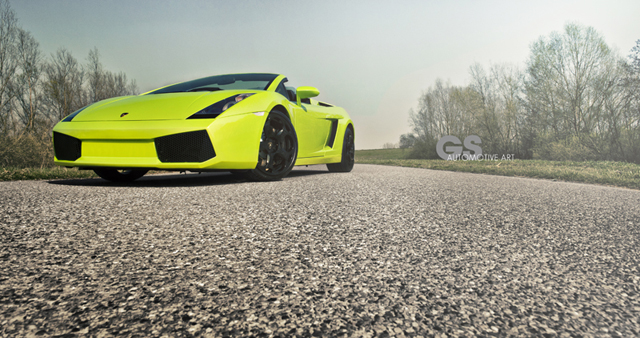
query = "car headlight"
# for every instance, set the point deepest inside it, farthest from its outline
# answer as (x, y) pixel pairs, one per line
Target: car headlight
(219, 107)
(72, 115)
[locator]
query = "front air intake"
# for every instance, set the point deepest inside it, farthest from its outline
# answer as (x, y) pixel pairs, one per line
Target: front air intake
(193, 146)
(65, 147)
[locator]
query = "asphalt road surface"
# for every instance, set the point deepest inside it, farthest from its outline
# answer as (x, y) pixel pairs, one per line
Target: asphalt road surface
(381, 251)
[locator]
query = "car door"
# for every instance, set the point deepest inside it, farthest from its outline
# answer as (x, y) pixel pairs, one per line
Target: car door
(313, 128)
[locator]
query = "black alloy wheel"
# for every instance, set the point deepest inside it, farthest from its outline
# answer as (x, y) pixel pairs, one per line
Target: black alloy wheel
(348, 154)
(118, 175)
(278, 149)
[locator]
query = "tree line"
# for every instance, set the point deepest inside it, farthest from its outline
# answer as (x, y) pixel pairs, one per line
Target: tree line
(37, 91)
(575, 99)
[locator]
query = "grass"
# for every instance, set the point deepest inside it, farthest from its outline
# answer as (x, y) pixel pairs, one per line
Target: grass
(14, 174)
(619, 174)
(380, 154)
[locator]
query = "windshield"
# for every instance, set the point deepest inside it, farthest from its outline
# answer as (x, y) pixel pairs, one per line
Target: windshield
(221, 82)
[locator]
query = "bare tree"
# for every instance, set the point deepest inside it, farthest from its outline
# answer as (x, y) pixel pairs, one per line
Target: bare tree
(26, 86)
(118, 85)
(389, 145)
(573, 93)
(486, 115)
(103, 84)
(63, 85)
(630, 108)
(510, 80)
(496, 107)
(442, 110)
(439, 113)
(36, 92)
(407, 140)
(95, 77)
(568, 76)
(577, 100)
(8, 27)
(635, 58)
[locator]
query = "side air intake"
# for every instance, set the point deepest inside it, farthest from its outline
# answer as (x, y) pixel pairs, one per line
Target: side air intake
(65, 147)
(332, 133)
(194, 146)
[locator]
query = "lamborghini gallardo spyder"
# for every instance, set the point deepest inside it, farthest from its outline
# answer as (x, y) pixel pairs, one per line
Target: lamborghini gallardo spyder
(249, 124)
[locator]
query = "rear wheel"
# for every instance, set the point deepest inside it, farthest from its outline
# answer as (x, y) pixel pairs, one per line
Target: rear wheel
(348, 154)
(115, 175)
(278, 149)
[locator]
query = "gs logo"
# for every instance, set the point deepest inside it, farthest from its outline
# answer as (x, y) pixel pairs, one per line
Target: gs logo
(447, 152)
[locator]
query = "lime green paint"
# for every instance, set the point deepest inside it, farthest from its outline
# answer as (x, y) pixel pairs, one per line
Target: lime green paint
(318, 160)
(306, 92)
(275, 83)
(112, 140)
(171, 106)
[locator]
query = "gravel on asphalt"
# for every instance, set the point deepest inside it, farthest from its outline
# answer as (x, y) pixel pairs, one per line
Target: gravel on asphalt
(381, 251)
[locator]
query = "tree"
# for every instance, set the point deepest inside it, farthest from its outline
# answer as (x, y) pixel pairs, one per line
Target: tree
(439, 113)
(8, 26)
(576, 100)
(496, 107)
(103, 84)
(36, 92)
(631, 107)
(573, 94)
(63, 85)
(568, 76)
(26, 85)
(635, 58)
(389, 145)
(95, 77)
(407, 140)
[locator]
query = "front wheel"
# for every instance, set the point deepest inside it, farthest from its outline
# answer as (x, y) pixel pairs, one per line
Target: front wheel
(278, 149)
(115, 175)
(348, 154)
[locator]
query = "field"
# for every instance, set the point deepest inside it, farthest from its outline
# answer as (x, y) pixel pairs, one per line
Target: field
(619, 174)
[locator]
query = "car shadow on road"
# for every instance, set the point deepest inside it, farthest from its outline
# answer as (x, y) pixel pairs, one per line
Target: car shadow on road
(180, 180)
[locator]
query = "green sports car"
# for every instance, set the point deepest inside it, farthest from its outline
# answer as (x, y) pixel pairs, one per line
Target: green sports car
(249, 124)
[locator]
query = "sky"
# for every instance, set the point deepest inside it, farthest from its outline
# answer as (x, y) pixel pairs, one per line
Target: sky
(373, 58)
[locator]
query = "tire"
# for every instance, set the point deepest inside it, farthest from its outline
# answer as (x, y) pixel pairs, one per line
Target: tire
(115, 175)
(348, 154)
(278, 149)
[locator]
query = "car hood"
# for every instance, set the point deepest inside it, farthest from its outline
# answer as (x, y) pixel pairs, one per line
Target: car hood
(150, 107)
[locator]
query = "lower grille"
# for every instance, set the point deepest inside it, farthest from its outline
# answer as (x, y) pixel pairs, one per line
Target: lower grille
(193, 146)
(66, 148)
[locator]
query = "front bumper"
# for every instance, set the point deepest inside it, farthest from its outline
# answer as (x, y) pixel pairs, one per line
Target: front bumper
(134, 144)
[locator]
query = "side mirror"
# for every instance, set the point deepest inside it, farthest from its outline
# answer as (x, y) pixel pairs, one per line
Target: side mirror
(306, 92)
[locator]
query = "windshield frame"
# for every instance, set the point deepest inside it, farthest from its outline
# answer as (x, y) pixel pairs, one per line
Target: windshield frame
(262, 80)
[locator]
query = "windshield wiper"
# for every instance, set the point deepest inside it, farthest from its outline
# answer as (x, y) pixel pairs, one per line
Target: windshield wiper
(204, 89)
